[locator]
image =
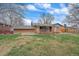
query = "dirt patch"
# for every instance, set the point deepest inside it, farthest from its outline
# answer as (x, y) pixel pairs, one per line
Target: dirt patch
(5, 49)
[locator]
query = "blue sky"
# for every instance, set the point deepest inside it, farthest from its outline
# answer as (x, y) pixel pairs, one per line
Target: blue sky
(32, 11)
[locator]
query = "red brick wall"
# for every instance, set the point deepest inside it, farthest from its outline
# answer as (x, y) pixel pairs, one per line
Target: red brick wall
(5, 29)
(62, 29)
(54, 30)
(24, 30)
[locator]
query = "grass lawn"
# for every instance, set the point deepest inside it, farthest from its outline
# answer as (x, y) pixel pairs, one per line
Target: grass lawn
(9, 36)
(40, 45)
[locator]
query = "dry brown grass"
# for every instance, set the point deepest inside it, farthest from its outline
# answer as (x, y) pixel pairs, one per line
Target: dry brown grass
(48, 45)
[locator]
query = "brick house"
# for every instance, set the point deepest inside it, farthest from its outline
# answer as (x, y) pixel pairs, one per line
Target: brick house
(40, 28)
(6, 29)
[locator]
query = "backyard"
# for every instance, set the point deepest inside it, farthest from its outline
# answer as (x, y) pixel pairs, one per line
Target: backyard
(39, 45)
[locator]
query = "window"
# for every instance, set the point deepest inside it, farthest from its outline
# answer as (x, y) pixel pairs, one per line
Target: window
(45, 29)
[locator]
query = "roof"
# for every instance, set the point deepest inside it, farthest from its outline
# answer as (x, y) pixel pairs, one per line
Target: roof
(44, 25)
(4, 24)
(36, 25)
(23, 27)
(57, 24)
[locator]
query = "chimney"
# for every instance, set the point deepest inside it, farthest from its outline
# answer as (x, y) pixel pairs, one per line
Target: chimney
(65, 26)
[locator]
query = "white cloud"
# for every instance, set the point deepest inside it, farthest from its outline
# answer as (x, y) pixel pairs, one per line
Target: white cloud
(51, 12)
(54, 10)
(22, 7)
(65, 10)
(27, 22)
(59, 19)
(62, 5)
(31, 7)
(57, 10)
(47, 6)
(44, 5)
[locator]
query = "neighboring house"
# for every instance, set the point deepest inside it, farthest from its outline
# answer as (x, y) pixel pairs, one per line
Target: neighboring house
(6, 29)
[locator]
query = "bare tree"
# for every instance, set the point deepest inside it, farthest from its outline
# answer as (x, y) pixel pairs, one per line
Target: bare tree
(11, 14)
(73, 17)
(46, 18)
